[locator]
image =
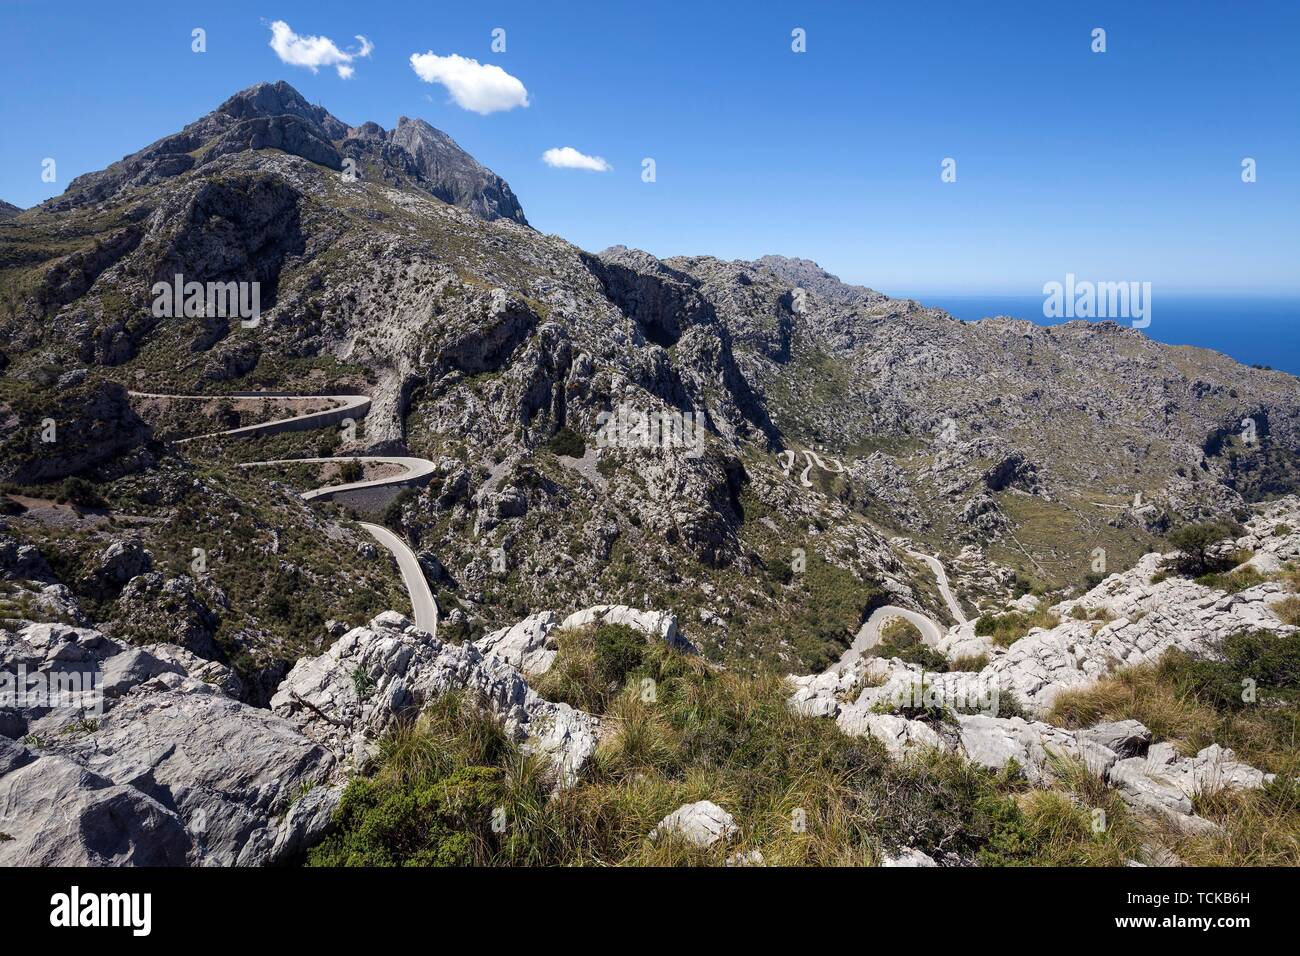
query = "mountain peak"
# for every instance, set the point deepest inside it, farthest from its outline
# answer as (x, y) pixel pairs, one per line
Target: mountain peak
(277, 116)
(806, 274)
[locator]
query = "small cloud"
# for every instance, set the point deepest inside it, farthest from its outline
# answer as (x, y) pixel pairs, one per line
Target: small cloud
(566, 157)
(478, 87)
(315, 52)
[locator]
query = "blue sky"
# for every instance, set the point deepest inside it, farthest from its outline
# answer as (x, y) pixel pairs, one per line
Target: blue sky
(1119, 165)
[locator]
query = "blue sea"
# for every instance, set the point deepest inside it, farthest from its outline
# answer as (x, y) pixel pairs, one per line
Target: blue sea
(1253, 329)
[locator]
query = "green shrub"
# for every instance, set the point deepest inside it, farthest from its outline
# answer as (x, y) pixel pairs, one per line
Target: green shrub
(446, 822)
(80, 492)
(619, 651)
(391, 516)
(1195, 542)
(1232, 581)
(567, 442)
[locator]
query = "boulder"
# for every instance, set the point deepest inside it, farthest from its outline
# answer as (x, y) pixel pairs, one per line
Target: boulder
(702, 824)
(527, 645)
(1165, 782)
(118, 563)
(907, 857)
(655, 624)
(898, 734)
(130, 668)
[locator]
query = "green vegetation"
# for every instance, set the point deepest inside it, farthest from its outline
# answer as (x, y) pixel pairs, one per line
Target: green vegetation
(1195, 701)
(592, 665)
(1196, 541)
(450, 788)
(1232, 581)
(567, 442)
(80, 492)
(1246, 697)
(901, 638)
(1006, 629)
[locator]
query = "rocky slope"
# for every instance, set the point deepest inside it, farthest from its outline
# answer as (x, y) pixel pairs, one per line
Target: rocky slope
(480, 341)
(753, 450)
(1131, 618)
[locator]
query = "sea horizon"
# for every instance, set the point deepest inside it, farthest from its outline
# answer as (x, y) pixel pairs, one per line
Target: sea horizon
(1258, 329)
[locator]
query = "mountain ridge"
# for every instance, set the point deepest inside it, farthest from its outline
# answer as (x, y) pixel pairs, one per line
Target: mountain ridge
(485, 345)
(275, 115)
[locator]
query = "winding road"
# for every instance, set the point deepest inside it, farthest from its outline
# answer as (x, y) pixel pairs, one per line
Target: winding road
(347, 406)
(415, 471)
(868, 635)
(941, 577)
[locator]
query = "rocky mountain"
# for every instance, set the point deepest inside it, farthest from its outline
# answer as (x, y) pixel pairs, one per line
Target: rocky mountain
(751, 464)
(275, 116)
(8, 210)
(481, 342)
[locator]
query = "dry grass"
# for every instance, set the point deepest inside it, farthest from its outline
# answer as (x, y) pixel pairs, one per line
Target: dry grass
(1138, 693)
(970, 662)
(1259, 828)
(1288, 611)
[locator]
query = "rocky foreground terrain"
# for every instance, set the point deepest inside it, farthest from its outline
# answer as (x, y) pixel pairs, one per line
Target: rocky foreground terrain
(649, 490)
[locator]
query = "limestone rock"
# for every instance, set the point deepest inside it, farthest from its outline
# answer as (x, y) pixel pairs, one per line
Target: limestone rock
(907, 857)
(898, 734)
(227, 770)
(527, 645)
(374, 675)
(657, 624)
(57, 813)
(703, 824)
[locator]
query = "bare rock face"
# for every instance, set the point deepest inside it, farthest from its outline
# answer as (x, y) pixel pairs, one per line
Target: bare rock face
(54, 812)
(140, 757)
(454, 176)
(226, 769)
(660, 625)
(527, 645)
(375, 675)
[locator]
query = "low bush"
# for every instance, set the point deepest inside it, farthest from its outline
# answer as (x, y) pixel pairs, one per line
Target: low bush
(567, 442)
(1006, 629)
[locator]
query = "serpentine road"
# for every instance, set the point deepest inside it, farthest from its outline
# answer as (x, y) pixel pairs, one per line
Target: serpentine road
(415, 471)
(868, 635)
(347, 406)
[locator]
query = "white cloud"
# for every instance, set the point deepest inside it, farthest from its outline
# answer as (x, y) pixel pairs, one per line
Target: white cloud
(478, 87)
(315, 52)
(566, 157)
